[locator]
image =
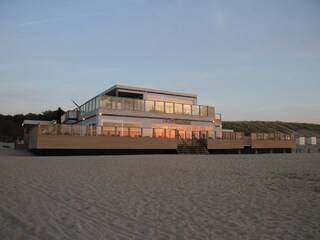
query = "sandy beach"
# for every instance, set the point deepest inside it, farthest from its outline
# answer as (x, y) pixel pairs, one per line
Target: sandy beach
(160, 197)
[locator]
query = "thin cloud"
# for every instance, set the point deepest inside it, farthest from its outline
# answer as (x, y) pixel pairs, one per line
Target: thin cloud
(49, 20)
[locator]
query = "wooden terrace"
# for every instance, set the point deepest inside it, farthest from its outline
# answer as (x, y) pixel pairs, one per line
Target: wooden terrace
(66, 138)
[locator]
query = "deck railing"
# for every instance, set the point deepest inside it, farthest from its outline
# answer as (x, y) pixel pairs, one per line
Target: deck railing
(272, 136)
(79, 130)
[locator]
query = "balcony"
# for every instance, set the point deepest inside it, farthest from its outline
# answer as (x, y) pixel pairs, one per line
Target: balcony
(131, 104)
(70, 117)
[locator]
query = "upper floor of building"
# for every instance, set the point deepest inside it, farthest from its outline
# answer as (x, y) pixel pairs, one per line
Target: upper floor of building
(126, 98)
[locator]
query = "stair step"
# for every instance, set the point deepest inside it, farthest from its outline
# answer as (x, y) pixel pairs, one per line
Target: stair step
(191, 146)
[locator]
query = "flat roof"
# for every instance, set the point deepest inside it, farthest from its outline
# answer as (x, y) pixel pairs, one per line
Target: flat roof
(147, 90)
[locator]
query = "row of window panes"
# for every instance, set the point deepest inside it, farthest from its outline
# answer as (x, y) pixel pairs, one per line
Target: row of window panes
(155, 106)
(90, 106)
(134, 130)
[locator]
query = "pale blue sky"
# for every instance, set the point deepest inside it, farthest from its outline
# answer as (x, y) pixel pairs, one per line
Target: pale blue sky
(251, 59)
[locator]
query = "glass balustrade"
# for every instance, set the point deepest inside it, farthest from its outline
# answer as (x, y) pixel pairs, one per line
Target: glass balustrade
(217, 117)
(134, 132)
(69, 115)
(121, 103)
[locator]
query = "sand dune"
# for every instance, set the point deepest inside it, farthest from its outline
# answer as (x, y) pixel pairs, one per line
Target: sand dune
(160, 197)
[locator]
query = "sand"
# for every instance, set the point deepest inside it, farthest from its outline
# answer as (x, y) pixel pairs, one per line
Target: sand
(160, 197)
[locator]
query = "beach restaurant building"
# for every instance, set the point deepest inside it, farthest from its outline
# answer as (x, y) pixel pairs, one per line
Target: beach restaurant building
(126, 111)
(142, 120)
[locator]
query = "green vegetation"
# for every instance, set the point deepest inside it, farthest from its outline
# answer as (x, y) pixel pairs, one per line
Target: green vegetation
(298, 129)
(11, 126)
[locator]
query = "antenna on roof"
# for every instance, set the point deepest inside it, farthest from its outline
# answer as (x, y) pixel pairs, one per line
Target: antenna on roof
(75, 103)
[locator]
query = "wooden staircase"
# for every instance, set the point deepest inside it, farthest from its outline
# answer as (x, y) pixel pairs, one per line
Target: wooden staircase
(191, 146)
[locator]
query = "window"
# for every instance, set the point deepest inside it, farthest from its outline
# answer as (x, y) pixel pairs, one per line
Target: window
(195, 131)
(195, 110)
(169, 107)
(178, 108)
(149, 105)
(138, 105)
(188, 132)
(203, 111)
(119, 103)
(131, 129)
(103, 101)
(187, 109)
(128, 104)
(106, 102)
(159, 106)
(111, 128)
(211, 111)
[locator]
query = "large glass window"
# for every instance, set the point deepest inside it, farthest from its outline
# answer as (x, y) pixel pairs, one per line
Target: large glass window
(203, 111)
(107, 102)
(138, 105)
(119, 103)
(111, 128)
(157, 131)
(128, 104)
(187, 109)
(188, 132)
(181, 131)
(149, 106)
(131, 104)
(210, 111)
(131, 129)
(203, 132)
(159, 106)
(103, 101)
(195, 131)
(169, 107)
(178, 108)
(195, 110)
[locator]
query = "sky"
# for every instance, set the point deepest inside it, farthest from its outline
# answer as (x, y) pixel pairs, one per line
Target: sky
(250, 59)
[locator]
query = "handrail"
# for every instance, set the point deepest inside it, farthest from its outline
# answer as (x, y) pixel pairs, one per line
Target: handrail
(200, 143)
(184, 143)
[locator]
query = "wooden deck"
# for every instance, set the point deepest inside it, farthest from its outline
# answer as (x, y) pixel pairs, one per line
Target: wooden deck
(89, 140)
(100, 142)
